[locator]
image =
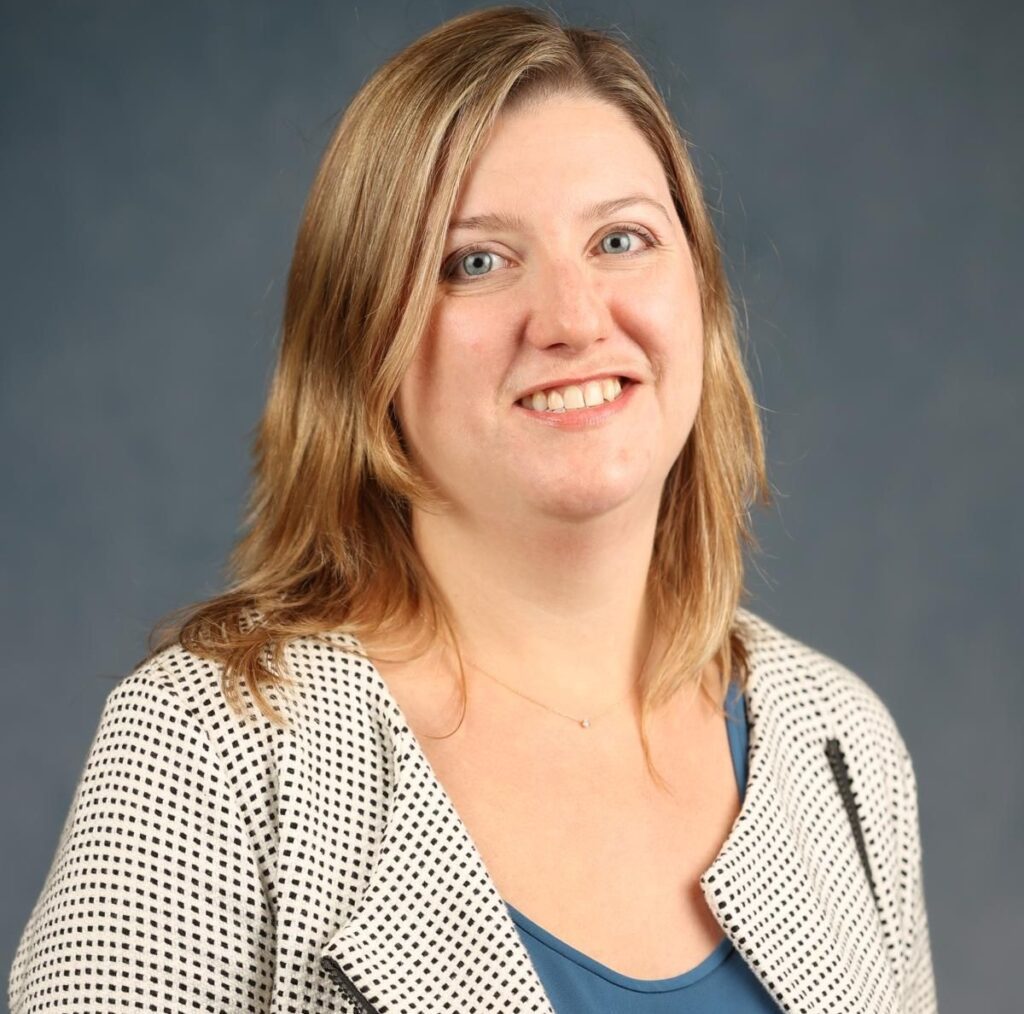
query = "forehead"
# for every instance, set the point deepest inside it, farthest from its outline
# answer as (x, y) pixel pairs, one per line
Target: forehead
(543, 152)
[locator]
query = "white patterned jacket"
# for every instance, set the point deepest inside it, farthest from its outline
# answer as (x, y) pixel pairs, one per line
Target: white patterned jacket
(213, 864)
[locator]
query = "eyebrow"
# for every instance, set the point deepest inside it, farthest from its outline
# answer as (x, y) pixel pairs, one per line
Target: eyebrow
(515, 223)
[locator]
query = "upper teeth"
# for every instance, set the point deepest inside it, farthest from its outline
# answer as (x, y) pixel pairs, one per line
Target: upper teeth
(564, 399)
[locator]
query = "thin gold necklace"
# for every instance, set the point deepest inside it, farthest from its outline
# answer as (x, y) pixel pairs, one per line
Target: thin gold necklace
(583, 723)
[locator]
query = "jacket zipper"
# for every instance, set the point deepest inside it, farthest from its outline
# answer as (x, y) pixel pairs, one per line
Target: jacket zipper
(347, 986)
(841, 774)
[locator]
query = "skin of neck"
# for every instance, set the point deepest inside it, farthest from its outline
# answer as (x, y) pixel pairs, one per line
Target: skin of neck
(556, 609)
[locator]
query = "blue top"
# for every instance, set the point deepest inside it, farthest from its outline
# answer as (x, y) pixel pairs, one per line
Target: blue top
(721, 984)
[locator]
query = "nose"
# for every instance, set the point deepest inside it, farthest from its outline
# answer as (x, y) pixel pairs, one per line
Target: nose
(568, 308)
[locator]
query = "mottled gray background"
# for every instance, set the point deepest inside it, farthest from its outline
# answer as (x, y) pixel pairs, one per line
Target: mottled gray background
(864, 160)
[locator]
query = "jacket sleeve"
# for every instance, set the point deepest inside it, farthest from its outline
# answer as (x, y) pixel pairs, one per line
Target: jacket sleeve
(153, 900)
(919, 981)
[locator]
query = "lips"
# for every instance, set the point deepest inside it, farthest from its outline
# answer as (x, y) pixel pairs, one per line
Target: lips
(587, 417)
(562, 382)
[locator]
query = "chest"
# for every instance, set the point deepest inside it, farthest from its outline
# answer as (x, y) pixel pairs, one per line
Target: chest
(575, 833)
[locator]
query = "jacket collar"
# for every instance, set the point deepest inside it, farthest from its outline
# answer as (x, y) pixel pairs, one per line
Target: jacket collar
(432, 931)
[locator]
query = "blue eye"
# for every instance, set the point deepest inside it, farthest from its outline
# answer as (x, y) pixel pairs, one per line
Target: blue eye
(471, 264)
(619, 247)
(479, 262)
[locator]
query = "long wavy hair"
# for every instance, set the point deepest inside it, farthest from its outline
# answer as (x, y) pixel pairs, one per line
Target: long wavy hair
(327, 544)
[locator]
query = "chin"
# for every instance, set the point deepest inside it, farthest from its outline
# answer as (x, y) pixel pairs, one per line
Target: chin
(581, 502)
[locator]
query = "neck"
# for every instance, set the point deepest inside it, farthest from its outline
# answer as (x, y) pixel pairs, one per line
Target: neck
(559, 613)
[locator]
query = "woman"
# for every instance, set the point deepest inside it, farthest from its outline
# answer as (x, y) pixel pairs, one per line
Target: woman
(480, 724)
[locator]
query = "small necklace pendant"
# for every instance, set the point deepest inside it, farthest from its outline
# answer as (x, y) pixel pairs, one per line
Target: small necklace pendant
(585, 722)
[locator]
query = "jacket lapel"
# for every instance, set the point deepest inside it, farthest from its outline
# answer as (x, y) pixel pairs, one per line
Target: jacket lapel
(431, 932)
(795, 902)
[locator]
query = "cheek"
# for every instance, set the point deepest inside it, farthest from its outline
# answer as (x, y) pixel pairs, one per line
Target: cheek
(450, 363)
(461, 346)
(664, 315)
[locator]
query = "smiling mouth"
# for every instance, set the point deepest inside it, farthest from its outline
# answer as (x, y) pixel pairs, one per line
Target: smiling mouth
(574, 397)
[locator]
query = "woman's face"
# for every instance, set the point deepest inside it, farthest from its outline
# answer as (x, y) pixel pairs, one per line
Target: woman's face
(565, 263)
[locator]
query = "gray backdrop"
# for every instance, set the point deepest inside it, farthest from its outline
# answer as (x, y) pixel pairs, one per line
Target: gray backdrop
(865, 164)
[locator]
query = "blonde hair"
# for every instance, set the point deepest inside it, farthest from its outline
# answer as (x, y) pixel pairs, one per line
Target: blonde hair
(327, 543)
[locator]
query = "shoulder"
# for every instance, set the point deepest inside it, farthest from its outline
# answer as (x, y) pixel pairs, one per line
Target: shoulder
(808, 710)
(819, 734)
(792, 681)
(172, 711)
(326, 692)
